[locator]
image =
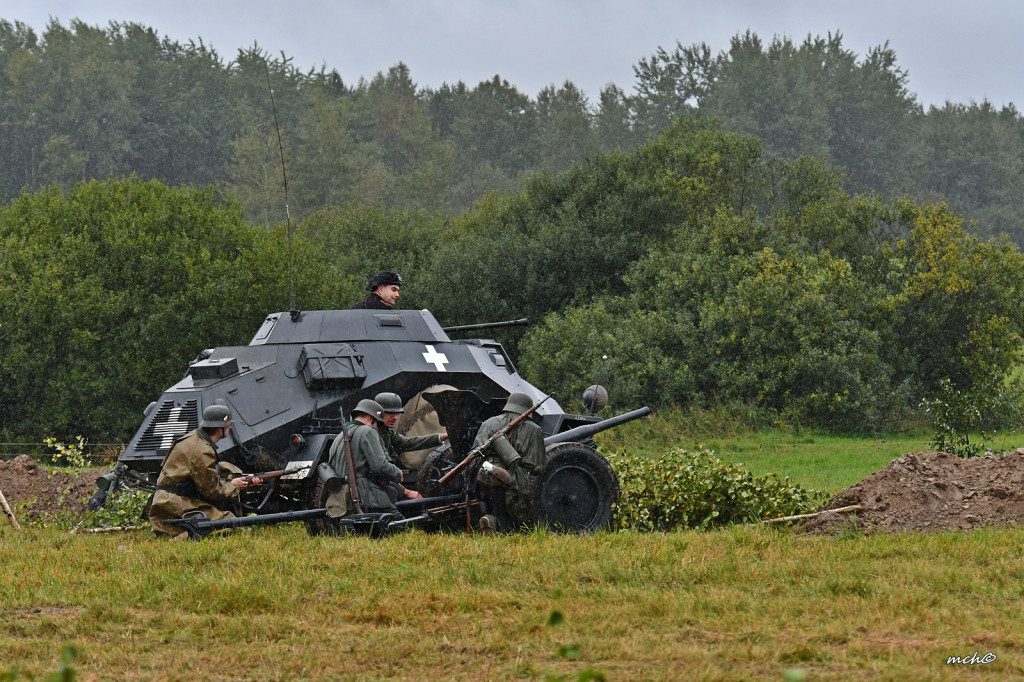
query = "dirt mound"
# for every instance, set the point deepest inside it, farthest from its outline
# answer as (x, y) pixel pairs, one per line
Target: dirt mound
(922, 491)
(32, 491)
(928, 491)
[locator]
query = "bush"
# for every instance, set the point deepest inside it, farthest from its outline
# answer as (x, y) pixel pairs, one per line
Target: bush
(687, 489)
(71, 454)
(955, 413)
(122, 509)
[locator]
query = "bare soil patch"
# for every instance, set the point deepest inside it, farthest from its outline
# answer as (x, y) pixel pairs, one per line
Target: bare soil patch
(33, 491)
(931, 491)
(923, 491)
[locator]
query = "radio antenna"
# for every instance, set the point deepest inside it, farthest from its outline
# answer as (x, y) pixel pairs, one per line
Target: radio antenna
(284, 174)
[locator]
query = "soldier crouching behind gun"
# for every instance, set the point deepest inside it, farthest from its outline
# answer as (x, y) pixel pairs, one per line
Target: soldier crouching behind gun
(375, 475)
(512, 458)
(395, 443)
(192, 478)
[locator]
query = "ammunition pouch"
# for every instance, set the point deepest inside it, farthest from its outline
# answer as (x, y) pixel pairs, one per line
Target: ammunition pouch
(380, 481)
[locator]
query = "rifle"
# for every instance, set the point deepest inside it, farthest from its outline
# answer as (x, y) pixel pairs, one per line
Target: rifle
(272, 474)
(433, 514)
(353, 489)
(478, 451)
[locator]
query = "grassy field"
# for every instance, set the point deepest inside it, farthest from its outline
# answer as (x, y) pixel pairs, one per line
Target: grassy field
(750, 602)
(744, 603)
(813, 460)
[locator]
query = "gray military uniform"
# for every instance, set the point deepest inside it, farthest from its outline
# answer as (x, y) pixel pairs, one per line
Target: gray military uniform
(395, 444)
(374, 470)
(526, 457)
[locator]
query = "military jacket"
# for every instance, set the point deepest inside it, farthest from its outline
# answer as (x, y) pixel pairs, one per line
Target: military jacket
(372, 302)
(196, 480)
(527, 439)
(395, 444)
(371, 462)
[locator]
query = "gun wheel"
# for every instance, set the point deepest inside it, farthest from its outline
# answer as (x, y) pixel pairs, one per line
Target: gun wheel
(436, 465)
(577, 490)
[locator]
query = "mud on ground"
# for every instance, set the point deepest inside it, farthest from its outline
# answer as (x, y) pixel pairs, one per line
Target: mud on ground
(930, 491)
(33, 492)
(923, 491)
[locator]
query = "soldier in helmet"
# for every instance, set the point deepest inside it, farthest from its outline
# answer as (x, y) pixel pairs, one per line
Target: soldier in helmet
(375, 474)
(512, 458)
(192, 478)
(384, 288)
(396, 443)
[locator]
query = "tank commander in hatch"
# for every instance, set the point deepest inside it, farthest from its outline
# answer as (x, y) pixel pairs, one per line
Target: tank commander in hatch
(376, 476)
(192, 478)
(395, 443)
(384, 288)
(513, 458)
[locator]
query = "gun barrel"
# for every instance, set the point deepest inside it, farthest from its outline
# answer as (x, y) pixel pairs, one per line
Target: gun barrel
(487, 325)
(588, 430)
(199, 525)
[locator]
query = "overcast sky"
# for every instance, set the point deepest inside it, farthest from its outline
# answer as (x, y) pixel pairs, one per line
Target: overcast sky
(958, 50)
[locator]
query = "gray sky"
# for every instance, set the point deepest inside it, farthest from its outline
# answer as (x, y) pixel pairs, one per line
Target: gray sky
(954, 50)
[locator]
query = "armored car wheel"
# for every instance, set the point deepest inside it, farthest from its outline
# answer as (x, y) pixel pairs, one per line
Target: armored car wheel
(576, 492)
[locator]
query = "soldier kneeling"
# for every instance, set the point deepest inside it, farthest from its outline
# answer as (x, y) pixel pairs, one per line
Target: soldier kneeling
(377, 478)
(192, 478)
(509, 462)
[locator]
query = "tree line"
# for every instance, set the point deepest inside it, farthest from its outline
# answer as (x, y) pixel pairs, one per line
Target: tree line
(80, 102)
(696, 269)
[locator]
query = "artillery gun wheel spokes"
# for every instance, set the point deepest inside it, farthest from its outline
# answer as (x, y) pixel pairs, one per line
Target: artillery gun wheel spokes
(436, 465)
(576, 492)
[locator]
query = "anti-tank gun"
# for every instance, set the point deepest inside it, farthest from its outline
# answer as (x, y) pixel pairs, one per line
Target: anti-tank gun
(292, 388)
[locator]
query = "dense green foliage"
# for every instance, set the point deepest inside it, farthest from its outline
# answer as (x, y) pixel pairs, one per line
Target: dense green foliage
(696, 261)
(696, 270)
(81, 102)
(109, 289)
(685, 489)
(106, 288)
(777, 289)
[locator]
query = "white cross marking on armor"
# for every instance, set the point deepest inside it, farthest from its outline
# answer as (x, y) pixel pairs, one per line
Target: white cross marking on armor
(436, 359)
(170, 429)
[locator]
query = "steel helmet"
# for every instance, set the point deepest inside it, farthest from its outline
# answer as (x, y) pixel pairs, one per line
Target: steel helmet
(391, 403)
(595, 398)
(216, 417)
(518, 403)
(369, 407)
(384, 278)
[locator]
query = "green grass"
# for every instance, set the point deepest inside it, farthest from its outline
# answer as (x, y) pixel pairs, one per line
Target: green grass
(748, 602)
(745, 603)
(813, 460)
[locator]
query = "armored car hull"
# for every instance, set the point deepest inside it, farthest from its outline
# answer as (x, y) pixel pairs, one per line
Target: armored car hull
(292, 388)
